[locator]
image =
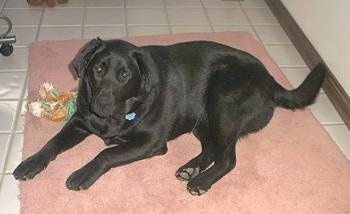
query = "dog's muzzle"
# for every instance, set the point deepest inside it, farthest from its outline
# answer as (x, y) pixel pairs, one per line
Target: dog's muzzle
(103, 106)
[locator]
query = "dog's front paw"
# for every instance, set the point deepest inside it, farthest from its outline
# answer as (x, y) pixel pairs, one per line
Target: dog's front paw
(30, 167)
(83, 178)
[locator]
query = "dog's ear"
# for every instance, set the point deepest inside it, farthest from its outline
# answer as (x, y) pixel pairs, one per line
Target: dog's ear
(143, 67)
(80, 62)
(74, 69)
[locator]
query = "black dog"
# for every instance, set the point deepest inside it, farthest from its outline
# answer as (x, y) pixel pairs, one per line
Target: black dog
(139, 98)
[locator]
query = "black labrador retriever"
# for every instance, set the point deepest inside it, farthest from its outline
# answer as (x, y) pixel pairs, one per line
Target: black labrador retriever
(139, 98)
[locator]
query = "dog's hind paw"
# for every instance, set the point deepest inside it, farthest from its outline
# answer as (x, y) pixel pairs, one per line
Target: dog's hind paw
(187, 173)
(199, 185)
(197, 191)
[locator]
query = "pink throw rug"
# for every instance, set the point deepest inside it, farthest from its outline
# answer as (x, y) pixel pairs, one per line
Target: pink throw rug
(291, 166)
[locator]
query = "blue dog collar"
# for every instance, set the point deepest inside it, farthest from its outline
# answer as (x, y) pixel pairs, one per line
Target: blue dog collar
(130, 116)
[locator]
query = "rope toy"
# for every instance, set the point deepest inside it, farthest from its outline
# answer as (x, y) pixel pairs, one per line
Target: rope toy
(58, 106)
(52, 104)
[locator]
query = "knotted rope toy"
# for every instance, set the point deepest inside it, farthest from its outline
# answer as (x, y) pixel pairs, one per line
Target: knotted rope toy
(52, 104)
(58, 106)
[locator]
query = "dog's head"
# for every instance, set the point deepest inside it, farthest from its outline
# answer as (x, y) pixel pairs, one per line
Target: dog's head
(112, 77)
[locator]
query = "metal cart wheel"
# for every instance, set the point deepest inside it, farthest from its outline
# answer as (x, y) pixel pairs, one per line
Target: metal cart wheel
(6, 49)
(6, 40)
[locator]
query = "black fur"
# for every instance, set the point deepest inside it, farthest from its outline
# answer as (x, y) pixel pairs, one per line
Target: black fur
(217, 92)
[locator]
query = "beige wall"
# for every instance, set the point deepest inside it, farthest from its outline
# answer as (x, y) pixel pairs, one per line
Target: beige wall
(327, 24)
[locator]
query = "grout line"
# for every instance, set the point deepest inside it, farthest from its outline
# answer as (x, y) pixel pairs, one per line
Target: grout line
(106, 7)
(331, 123)
(133, 25)
(207, 16)
(2, 6)
(4, 160)
(39, 25)
(13, 70)
(9, 99)
(13, 129)
(46, 25)
(167, 17)
(98, 25)
(279, 44)
(126, 19)
(276, 43)
(83, 21)
(250, 23)
(292, 66)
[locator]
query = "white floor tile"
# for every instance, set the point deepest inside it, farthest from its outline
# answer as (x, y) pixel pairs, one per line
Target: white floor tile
(23, 17)
(18, 60)
(190, 29)
(187, 16)
(220, 4)
(219, 16)
(272, 34)
(146, 16)
(147, 30)
(104, 16)
(324, 110)
(242, 28)
(296, 75)
(16, 4)
(9, 193)
(11, 85)
(4, 138)
(15, 153)
(60, 33)
(72, 3)
(341, 135)
(183, 3)
(253, 3)
(104, 32)
(105, 3)
(285, 55)
(63, 16)
(7, 114)
(20, 119)
(144, 4)
(260, 16)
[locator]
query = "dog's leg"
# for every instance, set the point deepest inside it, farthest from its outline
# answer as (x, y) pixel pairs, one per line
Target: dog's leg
(71, 134)
(224, 133)
(204, 159)
(112, 157)
(224, 163)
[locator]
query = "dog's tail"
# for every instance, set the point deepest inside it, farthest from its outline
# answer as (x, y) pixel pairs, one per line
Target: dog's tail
(305, 94)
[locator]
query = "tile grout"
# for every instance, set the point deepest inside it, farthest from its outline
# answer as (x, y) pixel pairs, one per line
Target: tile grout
(125, 19)
(83, 21)
(207, 16)
(167, 17)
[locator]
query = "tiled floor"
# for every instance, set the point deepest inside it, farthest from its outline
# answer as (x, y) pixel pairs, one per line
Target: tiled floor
(120, 18)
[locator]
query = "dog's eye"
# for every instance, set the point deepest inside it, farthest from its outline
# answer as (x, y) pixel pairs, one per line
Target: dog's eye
(123, 75)
(100, 69)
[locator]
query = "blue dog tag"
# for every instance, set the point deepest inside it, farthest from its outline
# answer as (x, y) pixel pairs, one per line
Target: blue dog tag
(130, 116)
